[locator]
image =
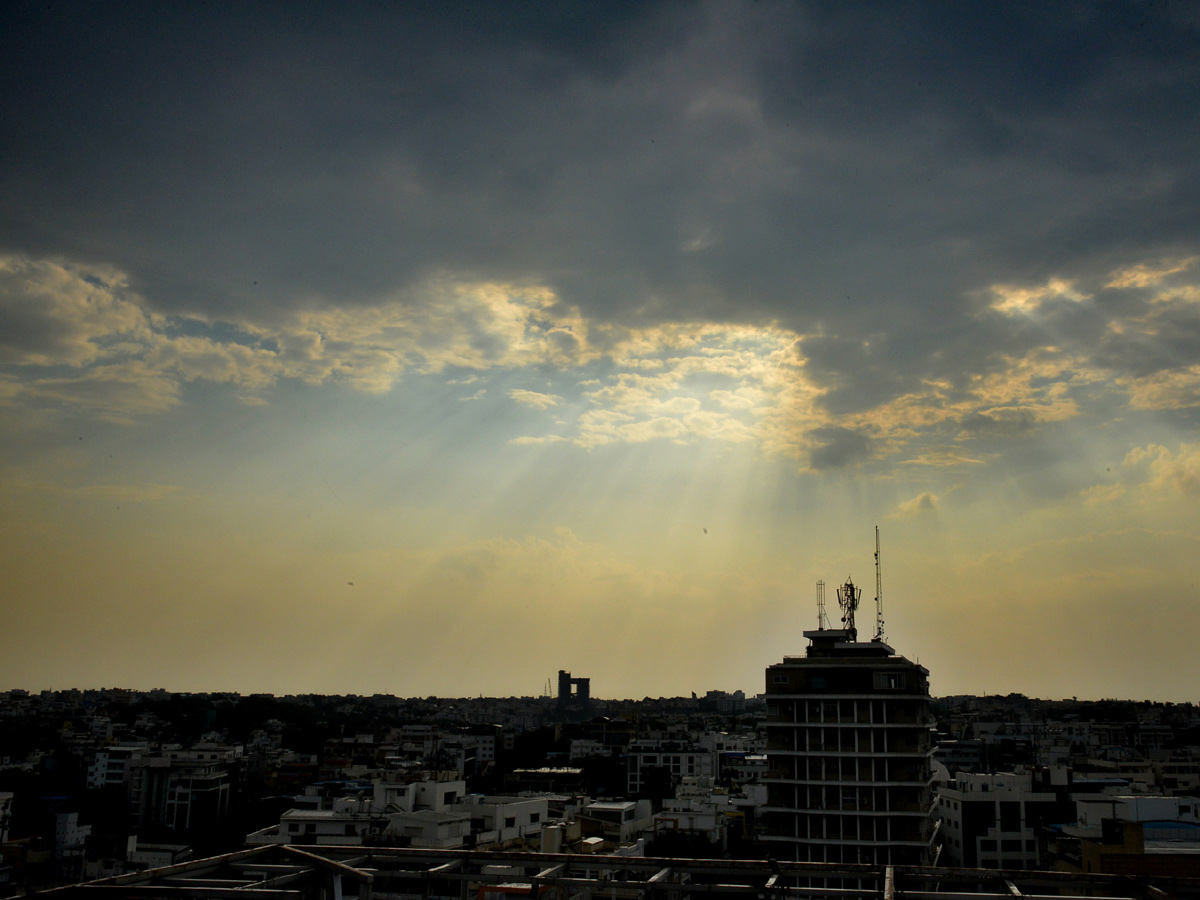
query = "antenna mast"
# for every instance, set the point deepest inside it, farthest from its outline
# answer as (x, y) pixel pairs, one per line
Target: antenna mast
(848, 597)
(822, 619)
(879, 636)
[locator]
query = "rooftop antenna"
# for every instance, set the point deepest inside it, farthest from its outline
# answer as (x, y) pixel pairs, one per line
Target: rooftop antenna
(848, 597)
(822, 619)
(879, 636)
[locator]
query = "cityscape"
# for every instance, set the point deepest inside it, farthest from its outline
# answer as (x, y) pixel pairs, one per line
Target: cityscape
(843, 758)
(599, 450)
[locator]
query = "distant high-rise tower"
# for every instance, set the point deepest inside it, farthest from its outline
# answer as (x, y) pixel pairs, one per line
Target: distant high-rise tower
(849, 749)
(574, 695)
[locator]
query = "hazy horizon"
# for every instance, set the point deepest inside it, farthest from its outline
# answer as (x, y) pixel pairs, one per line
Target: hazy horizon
(700, 695)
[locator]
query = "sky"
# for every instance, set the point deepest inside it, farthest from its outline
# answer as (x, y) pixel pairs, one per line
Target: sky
(431, 348)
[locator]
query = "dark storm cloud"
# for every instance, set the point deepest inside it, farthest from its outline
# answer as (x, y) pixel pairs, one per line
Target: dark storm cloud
(847, 170)
(858, 372)
(1012, 423)
(1159, 335)
(838, 447)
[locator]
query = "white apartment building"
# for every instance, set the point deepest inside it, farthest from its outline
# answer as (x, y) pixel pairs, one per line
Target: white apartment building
(108, 765)
(351, 821)
(698, 808)
(433, 814)
(501, 820)
(618, 821)
(426, 828)
(991, 821)
(438, 796)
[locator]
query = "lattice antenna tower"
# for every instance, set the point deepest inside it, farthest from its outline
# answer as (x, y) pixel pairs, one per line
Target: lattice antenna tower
(822, 619)
(848, 597)
(879, 635)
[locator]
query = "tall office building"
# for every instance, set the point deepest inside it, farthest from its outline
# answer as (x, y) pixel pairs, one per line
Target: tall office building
(849, 749)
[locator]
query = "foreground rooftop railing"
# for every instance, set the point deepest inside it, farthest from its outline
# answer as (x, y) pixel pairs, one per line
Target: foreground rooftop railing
(280, 872)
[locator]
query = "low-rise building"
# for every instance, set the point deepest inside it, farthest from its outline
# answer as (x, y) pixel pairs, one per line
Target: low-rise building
(504, 821)
(426, 814)
(617, 821)
(992, 821)
(1129, 834)
(678, 758)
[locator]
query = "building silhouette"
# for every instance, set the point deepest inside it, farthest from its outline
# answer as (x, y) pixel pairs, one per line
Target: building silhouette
(849, 750)
(574, 696)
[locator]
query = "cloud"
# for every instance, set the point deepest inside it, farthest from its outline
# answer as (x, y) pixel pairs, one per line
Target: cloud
(132, 362)
(651, 163)
(683, 382)
(534, 399)
(54, 313)
(1011, 421)
(922, 503)
(122, 493)
(1164, 390)
(1011, 300)
(119, 392)
(1149, 274)
(836, 447)
(531, 440)
(792, 213)
(1103, 494)
(1162, 470)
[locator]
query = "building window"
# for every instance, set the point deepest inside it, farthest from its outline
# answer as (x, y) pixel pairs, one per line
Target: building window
(889, 681)
(779, 679)
(534, 818)
(1010, 815)
(510, 822)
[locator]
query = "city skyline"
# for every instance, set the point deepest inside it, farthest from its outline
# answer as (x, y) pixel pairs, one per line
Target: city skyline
(430, 350)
